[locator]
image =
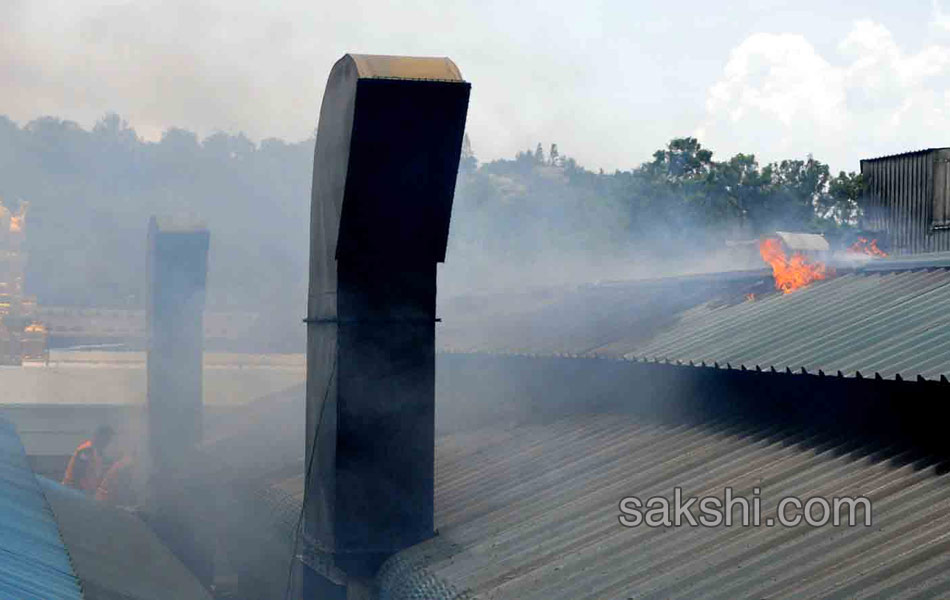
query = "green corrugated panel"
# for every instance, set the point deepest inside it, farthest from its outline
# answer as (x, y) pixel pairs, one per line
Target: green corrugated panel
(887, 323)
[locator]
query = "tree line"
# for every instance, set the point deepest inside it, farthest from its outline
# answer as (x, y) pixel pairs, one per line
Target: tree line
(678, 207)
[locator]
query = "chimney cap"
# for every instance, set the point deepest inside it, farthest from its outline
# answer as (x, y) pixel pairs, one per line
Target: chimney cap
(430, 68)
(180, 223)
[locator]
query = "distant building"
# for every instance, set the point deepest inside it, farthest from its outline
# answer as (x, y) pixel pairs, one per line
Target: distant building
(21, 336)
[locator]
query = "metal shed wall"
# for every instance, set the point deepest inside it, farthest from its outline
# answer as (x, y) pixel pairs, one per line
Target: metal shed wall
(906, 200)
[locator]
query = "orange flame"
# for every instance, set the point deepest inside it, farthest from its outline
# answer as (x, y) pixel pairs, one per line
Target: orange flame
(18, 220)
(35, 327)
(791, 273)
(862, 246)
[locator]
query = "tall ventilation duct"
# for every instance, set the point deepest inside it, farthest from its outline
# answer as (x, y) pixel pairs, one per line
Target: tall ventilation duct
(387, 154)
(177, 268)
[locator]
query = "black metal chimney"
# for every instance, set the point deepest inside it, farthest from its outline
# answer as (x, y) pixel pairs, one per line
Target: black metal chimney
(177, 268)
(386, 161)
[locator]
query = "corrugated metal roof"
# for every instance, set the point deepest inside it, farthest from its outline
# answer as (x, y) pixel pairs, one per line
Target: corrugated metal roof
(532, 512)
(930, 260)
(115, 553)
(884, 318)
(34, 563)
(885, 324)
(584, 319)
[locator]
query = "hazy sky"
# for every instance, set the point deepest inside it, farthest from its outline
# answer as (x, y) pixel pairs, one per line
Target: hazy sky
(609, 81)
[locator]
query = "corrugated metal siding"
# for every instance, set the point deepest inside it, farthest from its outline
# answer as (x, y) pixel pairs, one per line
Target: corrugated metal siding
(34, 563)
(532, 513)
(900, 200)
(867, 323)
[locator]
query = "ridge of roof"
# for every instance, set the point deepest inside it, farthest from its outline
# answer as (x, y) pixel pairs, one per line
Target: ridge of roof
(903, 154)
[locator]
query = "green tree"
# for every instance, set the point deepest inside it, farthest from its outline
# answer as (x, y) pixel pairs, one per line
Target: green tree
(842, 203)
(797, 188)
(683, 159)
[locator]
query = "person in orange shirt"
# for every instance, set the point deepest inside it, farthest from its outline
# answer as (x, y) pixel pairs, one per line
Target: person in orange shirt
(116, 487)
(84, 470)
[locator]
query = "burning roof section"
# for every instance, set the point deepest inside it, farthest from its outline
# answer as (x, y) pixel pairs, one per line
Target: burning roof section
(874, 323)
(888, 318)
(795, 269)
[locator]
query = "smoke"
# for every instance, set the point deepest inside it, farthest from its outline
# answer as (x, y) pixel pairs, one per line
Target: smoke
(605, 82)
(254, 71)
(260, 68)
(518, 226)
(147, 62)
(213, 65)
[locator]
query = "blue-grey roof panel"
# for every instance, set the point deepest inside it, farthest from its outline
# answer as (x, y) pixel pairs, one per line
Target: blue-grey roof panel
(34, 562)
(870, 323)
